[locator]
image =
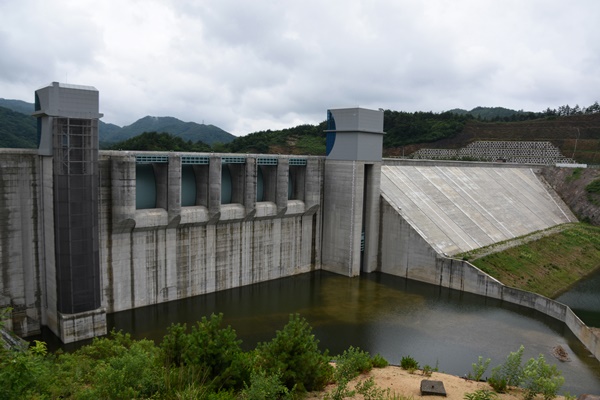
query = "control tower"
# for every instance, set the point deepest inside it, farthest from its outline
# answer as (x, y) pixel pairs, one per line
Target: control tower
(351, 191)
(68, 133)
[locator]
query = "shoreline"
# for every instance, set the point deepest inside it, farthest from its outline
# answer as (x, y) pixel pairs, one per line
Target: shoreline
(402, 383)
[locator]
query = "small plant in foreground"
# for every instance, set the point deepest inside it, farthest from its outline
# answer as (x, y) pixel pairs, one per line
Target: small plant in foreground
(370, 391)
(379, 362)
(540, 377)
(481, 394)
(510, 373)
(263, 386)
(479, 368)
(408, 363)
(355, 361)
(428, 370)
(498, 384)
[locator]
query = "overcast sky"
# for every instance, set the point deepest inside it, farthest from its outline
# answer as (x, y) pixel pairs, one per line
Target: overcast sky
(262, 64)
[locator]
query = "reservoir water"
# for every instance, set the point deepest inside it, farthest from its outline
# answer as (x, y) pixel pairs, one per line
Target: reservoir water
(381, 314)
(584, 299)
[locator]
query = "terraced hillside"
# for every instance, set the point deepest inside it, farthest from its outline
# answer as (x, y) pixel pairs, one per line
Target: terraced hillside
(576, 136)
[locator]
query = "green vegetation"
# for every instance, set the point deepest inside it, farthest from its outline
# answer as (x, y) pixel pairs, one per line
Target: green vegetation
(350, 364)
(481, 394)
(302, 139)
(479, 368)
(408, 363)
(404, 128)
(154, 141)
(206, 362)
(295, 354)
(535, 376)
(575, 175)
(548, 265)
(593, 192)
(17, 130)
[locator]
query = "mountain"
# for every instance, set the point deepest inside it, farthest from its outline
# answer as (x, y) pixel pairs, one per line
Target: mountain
(17, 130)
(208, 134)
(19, 106)
(111, 133)
(490, 113)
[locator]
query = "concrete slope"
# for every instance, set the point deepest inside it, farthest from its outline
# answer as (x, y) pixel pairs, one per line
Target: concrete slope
(457, 209)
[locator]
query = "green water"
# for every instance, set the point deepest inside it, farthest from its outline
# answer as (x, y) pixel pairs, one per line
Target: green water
(381, 314)
(584, 299)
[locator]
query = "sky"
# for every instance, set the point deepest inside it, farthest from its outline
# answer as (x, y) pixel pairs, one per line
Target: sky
(247, 66)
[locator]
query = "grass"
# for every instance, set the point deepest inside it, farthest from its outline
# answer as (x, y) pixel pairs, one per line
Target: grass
(547, 266)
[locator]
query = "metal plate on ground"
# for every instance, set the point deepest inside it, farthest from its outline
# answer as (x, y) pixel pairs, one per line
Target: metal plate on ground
(435, 388)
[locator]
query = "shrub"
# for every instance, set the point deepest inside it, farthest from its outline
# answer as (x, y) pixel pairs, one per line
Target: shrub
(370, 391)
(498, 384)
(408, 363)
(481, 394)
(379, 362)
(24, 373)
(173, 344)
(265, 386)
(479, 368)
(355, 361)
(294, 352)
(540, 377)
(216, 350)
(510, 373)
(137, 373)
(349, 364)
(428, 370)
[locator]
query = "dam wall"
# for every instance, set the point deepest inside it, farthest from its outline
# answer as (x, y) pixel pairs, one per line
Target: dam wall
(22, 223)
(173, 251)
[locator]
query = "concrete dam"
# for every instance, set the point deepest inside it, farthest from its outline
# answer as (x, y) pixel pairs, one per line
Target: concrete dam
(88, 232)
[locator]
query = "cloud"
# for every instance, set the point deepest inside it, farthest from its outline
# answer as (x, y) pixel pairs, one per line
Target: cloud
(248, 66)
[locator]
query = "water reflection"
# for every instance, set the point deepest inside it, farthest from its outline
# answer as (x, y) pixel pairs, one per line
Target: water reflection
(381, 314)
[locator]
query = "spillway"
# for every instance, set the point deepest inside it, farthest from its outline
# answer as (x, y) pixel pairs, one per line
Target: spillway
(459, 208)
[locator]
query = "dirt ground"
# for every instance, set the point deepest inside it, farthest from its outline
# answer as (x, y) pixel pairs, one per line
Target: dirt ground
(401, 382)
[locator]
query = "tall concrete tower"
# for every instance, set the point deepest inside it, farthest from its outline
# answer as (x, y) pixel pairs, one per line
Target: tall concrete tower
(351, 191)
(68, 131)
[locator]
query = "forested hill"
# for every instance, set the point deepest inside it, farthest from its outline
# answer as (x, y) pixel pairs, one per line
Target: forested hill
(108, 133)
(577, 136)
(17, 130)
(574, 130)
(187, 131)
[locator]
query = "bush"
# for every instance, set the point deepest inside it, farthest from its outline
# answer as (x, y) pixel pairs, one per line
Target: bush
(23, 373)
(510, 373)
(481, 394)
(408, 363)
(539, 377)
(355, 361)
(370, 391)
(479, 368)
(137, 373)
(265, 386)
(173, 344)
(379, 362)
(294, 353)
(213, 349)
